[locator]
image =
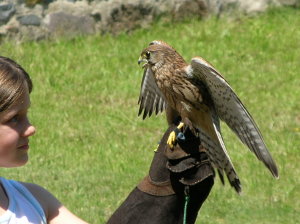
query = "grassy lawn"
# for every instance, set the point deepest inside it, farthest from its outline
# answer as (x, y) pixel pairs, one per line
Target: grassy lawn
(91, 149)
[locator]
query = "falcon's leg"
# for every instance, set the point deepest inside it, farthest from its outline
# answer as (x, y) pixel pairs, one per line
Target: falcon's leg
(172, 137)
(189, 125)
(173, 117)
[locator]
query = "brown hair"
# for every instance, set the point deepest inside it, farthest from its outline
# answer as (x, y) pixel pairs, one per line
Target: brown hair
(12, 80)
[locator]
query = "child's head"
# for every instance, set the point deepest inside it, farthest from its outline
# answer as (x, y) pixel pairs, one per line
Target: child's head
(15, 128)
(12, 80)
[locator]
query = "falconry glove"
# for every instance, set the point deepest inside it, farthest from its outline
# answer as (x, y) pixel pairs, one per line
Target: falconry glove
(159, 198)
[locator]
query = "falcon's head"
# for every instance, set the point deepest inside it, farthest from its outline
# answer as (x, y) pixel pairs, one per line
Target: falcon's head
(159, 53)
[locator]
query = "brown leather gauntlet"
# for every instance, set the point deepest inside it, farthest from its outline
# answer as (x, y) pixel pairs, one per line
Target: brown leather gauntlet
(159, 198)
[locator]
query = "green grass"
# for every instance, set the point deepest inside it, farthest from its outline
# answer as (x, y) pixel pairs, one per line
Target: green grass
(91, 149)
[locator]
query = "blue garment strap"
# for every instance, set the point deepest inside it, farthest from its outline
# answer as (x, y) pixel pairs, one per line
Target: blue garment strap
(26, 194)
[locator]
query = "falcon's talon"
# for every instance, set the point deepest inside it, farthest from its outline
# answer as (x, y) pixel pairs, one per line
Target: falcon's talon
(174, 134)
(181, 124)
(171, 139)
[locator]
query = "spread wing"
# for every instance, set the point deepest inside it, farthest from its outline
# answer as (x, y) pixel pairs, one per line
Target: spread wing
(151, 98)
(231, 110)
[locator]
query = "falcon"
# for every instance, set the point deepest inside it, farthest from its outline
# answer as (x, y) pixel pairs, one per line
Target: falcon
(198, 94)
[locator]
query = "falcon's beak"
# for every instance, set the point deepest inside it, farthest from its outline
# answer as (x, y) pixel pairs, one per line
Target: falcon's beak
(143, 60)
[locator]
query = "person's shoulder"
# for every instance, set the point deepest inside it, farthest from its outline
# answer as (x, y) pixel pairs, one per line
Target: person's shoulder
(33, 188)
(54, 210)
(43, 196)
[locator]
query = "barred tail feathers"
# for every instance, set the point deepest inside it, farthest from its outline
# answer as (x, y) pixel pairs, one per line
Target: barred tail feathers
(220, 160)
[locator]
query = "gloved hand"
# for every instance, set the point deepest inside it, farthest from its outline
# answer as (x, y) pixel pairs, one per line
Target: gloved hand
(177, 173)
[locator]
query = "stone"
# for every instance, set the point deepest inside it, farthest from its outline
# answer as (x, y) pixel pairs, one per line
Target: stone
(76, 17)
(12, 26)
(27, 20)
(6, 12)
(250, 7)
(3, 31)
(79, 8)
(63, 24)
(190, 8)
(32, 33)
(23, 10)
(293, 3)
(126, 16)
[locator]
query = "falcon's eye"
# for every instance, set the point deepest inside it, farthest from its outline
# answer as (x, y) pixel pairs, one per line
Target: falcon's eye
(147, 54)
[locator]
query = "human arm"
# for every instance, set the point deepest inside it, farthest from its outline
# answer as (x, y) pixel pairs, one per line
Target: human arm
(55, 211)
(159, 198)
